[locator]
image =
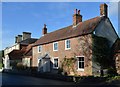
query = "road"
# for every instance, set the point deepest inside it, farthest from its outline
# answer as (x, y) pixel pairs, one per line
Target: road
(10, 79)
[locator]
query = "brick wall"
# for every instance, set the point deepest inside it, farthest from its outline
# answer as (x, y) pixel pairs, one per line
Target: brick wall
(117, 60)
(80, 46)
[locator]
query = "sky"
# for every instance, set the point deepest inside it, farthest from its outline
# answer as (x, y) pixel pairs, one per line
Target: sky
(18, 17)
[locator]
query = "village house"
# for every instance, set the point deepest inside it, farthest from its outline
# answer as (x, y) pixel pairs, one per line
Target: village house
(73, 42)
(116, 54)
(15, 53)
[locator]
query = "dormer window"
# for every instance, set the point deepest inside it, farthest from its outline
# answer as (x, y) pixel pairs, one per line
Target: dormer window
(67, 45)
(55, 46)
(39, 49)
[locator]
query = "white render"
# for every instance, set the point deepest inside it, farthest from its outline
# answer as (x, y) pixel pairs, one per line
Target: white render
(6, 60)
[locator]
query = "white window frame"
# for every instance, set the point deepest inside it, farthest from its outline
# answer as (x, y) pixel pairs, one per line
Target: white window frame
(66, 44)
(57, 46)
(38, 48)
(54, 62)
(80, 69)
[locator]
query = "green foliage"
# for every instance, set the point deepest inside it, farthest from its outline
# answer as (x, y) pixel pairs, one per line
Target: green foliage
(0, 65)
(68, 64)
(1, 55)
(111, 72)
(101, 51)
(20, 66)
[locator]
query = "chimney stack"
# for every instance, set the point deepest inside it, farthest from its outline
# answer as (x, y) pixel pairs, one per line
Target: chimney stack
(26, 35)
(18, 38)
(44, 30)
(77, 17)
(103, 10)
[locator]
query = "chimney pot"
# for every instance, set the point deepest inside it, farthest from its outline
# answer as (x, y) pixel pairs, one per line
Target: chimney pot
(75, 11)
(44, 30)
(77, 17)
(79, 12)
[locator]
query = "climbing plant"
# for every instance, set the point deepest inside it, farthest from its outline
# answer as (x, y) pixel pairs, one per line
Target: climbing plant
(68, 65)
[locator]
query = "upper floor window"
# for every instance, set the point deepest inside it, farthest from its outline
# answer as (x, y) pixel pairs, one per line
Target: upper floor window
(81, 63)
(67, 44)
(55, 46)
(39, 48)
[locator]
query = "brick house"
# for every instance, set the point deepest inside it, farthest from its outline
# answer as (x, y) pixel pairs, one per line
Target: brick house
(15, 52)
(116, 54)
(73, 42)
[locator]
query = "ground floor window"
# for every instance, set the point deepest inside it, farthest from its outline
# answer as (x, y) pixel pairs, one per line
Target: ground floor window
(81, 63)
(55, 63)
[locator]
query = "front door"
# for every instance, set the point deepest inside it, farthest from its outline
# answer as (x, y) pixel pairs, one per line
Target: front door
(46, 65)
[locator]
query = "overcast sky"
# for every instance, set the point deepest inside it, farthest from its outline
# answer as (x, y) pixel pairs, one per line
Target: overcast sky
(18, 17)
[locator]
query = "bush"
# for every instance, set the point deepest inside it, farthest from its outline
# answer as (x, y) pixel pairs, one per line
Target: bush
(111, 72)
(20, 66)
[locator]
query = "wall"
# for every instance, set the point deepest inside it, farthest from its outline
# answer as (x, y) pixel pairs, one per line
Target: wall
(105, 29)
(117, 60)
(6, 60)
(14, 47)
(26, 61)
(80, 46)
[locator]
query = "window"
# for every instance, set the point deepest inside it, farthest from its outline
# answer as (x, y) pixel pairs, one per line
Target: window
(55, 46)
(67, 44)
(55, 63)
(39, 49)
(81, 63)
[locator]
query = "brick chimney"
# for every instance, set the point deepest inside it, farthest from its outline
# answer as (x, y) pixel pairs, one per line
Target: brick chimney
(44, 30)
(18, 38)
(103, 10)
(77, 17)
(26, 35)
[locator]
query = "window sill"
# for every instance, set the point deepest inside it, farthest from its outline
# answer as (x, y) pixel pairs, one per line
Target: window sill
(55, 50)
(55, 67)
(67, 48)
(80, 70)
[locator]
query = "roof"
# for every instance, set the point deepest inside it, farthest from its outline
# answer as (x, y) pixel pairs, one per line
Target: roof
(28, 51)
(28, 41)
(81, 28)
(19, 54)
(16, 54)
(116, 46)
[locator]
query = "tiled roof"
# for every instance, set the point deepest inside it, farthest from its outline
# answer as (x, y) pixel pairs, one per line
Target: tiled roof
(82, 28)
(16, 54)
(28, 51)
(28, 41)
(19, 54)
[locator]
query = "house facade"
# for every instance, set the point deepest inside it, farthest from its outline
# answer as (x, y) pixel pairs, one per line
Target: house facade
(14, 53)
(59, 49)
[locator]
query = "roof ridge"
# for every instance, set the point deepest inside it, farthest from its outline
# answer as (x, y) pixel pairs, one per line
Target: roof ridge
(82, 28)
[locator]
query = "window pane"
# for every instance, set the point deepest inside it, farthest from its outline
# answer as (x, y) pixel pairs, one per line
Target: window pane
(39, 48)
(55, 46)
(82, 58)
(67, 43)
(81, 62)
(55, 62)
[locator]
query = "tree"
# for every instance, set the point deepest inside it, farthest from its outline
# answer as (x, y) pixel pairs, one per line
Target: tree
(101, 52)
